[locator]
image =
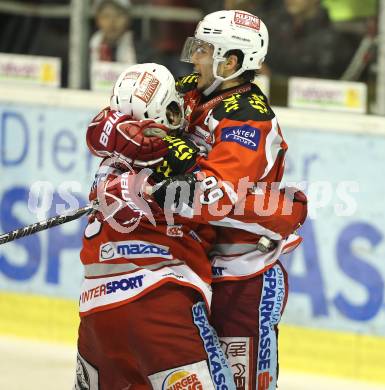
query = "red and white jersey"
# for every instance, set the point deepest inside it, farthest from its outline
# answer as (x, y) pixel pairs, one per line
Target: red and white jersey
(234, 257)
(120, 267)
(241, 143)
(273, 214)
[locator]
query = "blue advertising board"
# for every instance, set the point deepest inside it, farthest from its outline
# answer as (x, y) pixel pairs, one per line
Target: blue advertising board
(45, 169)
(336, 276)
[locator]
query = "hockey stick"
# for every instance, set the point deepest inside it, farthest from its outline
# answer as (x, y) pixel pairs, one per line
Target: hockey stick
(48, 223)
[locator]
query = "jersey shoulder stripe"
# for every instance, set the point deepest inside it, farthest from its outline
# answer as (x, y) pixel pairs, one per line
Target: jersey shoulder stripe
(251, 105)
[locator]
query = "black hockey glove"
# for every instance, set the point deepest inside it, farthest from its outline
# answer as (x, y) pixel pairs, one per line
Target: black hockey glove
(176, 192)
(187, 83)
(180, 158)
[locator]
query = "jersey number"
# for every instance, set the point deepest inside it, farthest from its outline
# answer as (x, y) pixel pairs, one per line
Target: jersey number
(211, 192)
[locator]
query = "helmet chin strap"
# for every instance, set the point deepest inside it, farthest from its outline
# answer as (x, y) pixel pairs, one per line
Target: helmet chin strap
(218, 80)
(214, 85)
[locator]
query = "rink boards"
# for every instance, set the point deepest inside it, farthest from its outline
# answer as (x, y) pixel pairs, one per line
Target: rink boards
(334, 319)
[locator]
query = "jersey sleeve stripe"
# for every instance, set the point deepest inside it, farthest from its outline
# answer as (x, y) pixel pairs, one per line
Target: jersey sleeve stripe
(249, 227)
(273, 146)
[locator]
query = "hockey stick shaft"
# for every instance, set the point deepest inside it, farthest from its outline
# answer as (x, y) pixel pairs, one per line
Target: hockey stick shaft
(43, 225)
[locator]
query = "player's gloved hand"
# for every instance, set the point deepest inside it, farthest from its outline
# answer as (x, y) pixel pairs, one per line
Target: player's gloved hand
(141, 142)
(176, 192)
(112, 133)
(122, 199)
(105, 172)
(180, 158)
(186, 83)
(293, 206)
(300, 205)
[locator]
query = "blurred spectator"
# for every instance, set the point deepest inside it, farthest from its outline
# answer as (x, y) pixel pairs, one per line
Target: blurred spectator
(113, 41)
(303, 42)
(211, 6)
(169, 37)
(40, 36)
(261, 8)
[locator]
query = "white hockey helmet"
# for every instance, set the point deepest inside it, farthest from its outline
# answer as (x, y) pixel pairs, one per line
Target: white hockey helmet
(145, 91)
(230, 30)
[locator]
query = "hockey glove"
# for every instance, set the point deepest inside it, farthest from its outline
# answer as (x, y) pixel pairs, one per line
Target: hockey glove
(176, 192)
(123, 199)
(180, 158)
(112, 133)
(187, 83)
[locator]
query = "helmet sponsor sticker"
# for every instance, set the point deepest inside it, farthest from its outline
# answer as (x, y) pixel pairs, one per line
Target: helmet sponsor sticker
(133, 250)
(245, 19)
(245, 135)
(147, 87)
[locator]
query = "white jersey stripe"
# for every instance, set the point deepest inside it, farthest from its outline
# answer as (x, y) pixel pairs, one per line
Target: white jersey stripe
(248, 227)
(232, 249)
(108, 292)
(251, 263)
(272, 147)
(100, 270)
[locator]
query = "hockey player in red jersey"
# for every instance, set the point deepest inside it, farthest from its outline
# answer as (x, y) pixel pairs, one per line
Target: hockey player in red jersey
(230, 118)
(144, 298)
(238, 326)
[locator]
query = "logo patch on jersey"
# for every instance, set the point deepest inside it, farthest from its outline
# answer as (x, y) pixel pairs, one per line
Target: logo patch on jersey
(195, 376)
(182, 379)
(175, 231)
(107, 252)
(133, 250)
(217, 271)
(195, 236)
(147, 87)
(237, 351)
(247, 20)
(243, 135)
(115, 286)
